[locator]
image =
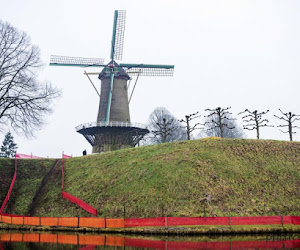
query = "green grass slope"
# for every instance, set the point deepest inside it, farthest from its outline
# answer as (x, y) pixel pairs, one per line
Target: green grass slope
(30, 174)
(189, 178)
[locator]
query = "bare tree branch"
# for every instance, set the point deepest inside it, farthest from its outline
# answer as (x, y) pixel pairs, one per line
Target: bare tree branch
(220, 119)
(24, 100)
(256, 117)
(188, 127)
(290, 118)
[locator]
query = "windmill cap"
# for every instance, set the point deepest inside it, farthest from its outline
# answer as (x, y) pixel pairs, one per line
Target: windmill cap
(118, 71)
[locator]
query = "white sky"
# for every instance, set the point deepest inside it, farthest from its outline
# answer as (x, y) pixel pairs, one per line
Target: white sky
(239, 53)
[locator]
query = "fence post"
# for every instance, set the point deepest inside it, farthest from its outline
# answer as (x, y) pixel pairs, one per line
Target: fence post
(78, 221)
(230, 218)
(104, 222)
(166, 222)
(281, 220)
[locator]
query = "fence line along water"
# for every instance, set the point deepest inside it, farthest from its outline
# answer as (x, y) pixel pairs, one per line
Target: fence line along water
(146, 222)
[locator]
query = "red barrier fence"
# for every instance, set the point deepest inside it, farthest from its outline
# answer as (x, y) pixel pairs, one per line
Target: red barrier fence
(10, 189)
(73, 198)
(79, 202)
(198, 221)
(147, 222)
(24, 156)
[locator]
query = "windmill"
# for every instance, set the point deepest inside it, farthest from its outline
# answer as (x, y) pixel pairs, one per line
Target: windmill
(113, 129)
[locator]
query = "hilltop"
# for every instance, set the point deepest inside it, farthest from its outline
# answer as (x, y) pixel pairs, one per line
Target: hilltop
(220, 177)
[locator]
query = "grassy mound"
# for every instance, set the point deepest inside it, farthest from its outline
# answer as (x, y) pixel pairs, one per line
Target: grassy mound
(189, 178)
(30, 174)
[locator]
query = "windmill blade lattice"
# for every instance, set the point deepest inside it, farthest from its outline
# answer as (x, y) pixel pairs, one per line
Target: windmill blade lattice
(148, 69)
(76, 61)
(118, 35)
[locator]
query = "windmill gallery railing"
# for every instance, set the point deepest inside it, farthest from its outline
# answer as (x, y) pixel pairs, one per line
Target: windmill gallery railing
(111, 124)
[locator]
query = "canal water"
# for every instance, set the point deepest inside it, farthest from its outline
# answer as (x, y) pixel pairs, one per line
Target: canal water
(33, 240)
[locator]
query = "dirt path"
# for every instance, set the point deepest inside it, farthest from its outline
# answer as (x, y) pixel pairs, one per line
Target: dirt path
(39, 193)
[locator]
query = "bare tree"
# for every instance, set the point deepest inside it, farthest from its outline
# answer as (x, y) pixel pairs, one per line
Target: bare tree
(24, 100)
(218, 120)
(190, 128)
(163, 131)
(254, 120)
(290, 118)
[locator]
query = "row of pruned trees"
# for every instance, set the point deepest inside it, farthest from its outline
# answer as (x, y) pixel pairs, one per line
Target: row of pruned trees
(254, 121)
(219, 122)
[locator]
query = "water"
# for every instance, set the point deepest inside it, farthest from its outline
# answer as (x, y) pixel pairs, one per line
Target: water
(32, 240)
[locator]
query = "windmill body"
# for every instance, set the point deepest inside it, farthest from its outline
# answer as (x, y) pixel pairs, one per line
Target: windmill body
(119, 109)
(114, 129)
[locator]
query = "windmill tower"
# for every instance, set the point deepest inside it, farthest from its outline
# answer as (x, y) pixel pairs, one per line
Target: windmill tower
(114, 129)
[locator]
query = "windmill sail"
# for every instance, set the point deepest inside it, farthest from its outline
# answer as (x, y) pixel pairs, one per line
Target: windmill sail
(148, 69)
(117, 42)
(76, 61)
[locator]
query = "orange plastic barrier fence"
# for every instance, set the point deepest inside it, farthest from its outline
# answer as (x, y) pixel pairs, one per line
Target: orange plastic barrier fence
(115, 223)
(92, 222)
(68, 221)
(146, 222)
(32, 221)
(49, 221)
(6, 219)
(17, 220)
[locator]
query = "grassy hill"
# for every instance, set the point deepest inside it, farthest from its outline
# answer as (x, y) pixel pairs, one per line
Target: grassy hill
(189, 178)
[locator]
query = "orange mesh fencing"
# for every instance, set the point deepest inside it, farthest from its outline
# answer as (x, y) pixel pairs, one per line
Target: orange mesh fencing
(92, 222)
(31, 238)
(115, 223)
(49, 221)
(48, 238)
(32, 221)
(68, 221)
(91, 240)
(6, 219)
(17, 220)
(115, 241)
(67, 239)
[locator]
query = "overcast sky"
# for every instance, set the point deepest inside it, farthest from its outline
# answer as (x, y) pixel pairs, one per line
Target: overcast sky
(239, 53)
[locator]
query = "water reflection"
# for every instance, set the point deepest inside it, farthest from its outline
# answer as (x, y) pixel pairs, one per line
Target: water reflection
(14, 240)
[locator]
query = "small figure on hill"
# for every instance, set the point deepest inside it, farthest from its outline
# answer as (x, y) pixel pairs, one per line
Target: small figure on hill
(84, 152)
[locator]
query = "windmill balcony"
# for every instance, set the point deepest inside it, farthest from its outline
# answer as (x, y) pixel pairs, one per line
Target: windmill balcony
(111, 124)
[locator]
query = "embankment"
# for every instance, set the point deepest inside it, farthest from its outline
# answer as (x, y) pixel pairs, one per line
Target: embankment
(191, 178)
